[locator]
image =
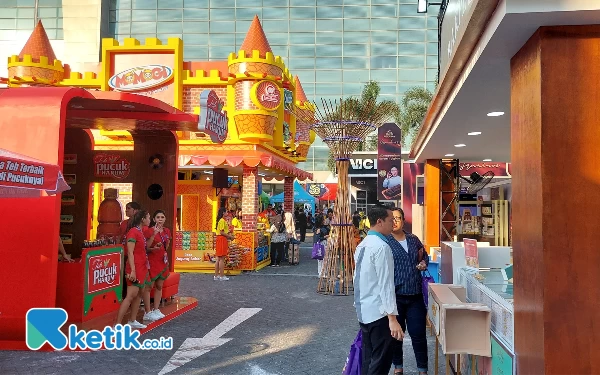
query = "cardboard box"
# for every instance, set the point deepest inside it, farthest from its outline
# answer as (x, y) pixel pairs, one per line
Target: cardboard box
(461, 327)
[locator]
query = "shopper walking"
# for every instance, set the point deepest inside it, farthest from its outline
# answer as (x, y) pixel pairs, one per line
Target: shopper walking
(222, 246)
(278, 239)
(302, 225)
(321, 235)
(290, 229)
(374, 297)
(410, 259)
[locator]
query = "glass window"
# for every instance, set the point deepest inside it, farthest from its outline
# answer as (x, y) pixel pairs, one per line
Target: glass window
(47, 12)
(357, 24)
(432, 23)
(385, 24)
(281, 50)
(49, 23)
(224, 14)
(25, 24)
(356, 37)
(170, 15)
(141, 37)
(219, 52)
(26, 13)
(412, 23)
(330, 63)
(410, 10)
(387, 88)
(329, 12)
(195, 14)
(384, 62)
(8, 13)
(411, 48)
(49, 3)
(356, 12)
(143, 27)
(170, 4)
(328, 76)
(328, 38)
(300, 63)
(431, 86)
(384, 49)
(355, 63)
(143, 15)
(279, 26)
(144, 4)
(352, 88)
(222, 26)
(384, 75)
(195, 27)
(384, 36)
(432, 35)
(328, 2)
(328, 89)
(278, 38)
(355, 75)
(302, 51)
(169, 27)
(355, 49)
(411, 35)
(432, 74)
(330, 25)
(275, 3)
(165, 37)
(123, 28)
(51, 34)
(302, 38)
(120, 15)
(222, 3)
(405, 86)
(432, 49)
(198, 4)
(26, 3)
(7, 34)
(356, 2)
(302, 3)
(195, 52)
(432, 61)
(275, 13)
(302, 25)
(411, 61)
(247, 13)
(411, 75)
(329, 50)
(308, 13)
(227, 39)
(198, 39)
(384, 11)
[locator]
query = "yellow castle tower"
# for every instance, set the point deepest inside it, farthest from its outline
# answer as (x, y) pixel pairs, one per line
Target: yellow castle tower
(258, 95)
(36, 65)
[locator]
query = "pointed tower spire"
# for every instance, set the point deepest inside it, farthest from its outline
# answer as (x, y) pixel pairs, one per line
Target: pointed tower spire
(38, 45)
(300, 94)
(256, 39)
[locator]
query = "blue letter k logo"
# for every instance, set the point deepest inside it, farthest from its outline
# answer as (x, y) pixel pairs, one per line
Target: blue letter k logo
(43, 325)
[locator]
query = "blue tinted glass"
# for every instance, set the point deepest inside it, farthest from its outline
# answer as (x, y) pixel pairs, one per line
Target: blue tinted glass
(275, 13)
(195, 39)
(49, 23)
(356, 12)
(221, 14)
(384, 49)
(357, 24)
(432, 49)
(355, 49)
(219, 52)
(143, 27)
(412, 23)
(198, 4)
(170, 4)
(353, 88)
(47, 12)
(308, 13)
(384, 75)
(195, 52)
(302, 38)
(384, 62)
(330, 25)
(220, 39)
(169, 27)
(384, 24)
(411, 48)
(24, 24)
(432, 74)
(329, 50)
(222, 3)
(302, 51)
(328, 89)
(143, 15)
(278, 38)
(144, 4)
(272, 26)
(384, 11)
(9, 13)
(26, 13)
(328, 75)
(411, 10)
(170, 15)
(355, 75)
(247, 13)
(432, 35)
(411, 35)
(411, 75)
(222, 27)
(275, 3)
(195, 27)
(432, 61)
(329, 12)
(356, 37)
(355, 63)
(302, 25)
(195, 14)
(329, 38)
(383, 36)
(330, 62)
(8, 24)
(300, 63)
(411, 62)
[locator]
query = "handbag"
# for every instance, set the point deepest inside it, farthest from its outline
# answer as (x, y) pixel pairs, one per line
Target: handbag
(426, 279)
(318, 251)
(354, 360)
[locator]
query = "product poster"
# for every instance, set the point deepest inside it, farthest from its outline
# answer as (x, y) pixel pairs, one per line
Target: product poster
(410, 172)
(471, 253)
(389, 162)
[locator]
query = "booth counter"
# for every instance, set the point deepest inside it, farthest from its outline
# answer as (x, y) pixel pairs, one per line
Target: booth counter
(91, 286)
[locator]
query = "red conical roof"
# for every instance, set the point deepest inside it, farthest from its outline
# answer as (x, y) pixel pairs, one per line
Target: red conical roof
(256, 39)
(38, 45)
(300, 94)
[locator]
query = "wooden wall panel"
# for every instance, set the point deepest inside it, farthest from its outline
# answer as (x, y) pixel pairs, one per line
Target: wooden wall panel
(556, 197)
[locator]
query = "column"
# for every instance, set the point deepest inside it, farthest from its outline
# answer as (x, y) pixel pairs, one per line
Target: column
(249, 198)
(288, 194)
(556, 200)
(432, 204)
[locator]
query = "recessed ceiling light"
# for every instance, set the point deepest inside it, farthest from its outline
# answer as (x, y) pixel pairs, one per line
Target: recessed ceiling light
(474, 133)
(449, 155)
(460, 145)
(495, 114)
(129, 106)
(487, 159)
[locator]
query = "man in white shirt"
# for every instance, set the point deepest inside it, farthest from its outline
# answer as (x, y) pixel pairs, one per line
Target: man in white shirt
(374, 294)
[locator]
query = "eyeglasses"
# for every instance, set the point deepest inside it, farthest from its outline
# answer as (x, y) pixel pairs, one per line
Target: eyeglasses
(398, 219)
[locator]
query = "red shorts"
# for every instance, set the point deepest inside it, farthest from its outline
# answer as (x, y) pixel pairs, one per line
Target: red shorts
(222, 246)
(158, 264)
(141, 273)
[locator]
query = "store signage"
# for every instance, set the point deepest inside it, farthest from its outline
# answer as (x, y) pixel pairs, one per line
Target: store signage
(267, 94)
(499, 169)
(364, 183)
(457, 16)
(140, 78)
(104, 272)
(111, 166)
(288, 97)
(389, 162)
(213, 120)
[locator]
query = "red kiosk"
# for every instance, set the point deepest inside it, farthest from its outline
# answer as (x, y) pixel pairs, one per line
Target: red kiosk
(45, 124)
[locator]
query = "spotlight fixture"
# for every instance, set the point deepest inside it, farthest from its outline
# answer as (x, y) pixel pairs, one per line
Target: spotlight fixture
(460, 145)
(449, 155)
(495, 114)
(487, 159)
(474, 133)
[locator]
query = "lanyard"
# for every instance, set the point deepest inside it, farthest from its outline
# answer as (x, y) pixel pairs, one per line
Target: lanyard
(163, 239)
(145, 245)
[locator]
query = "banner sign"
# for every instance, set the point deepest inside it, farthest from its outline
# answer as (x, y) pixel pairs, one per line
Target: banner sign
(103, 273)
(363, 165)
(111, 166)
(15, 173)
(389, 162)
(140, 78)
(499, 169)
(213, 120)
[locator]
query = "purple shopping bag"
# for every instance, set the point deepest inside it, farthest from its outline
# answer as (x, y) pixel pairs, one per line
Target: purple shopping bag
(354, 360)
(318, 251)
(426, 279)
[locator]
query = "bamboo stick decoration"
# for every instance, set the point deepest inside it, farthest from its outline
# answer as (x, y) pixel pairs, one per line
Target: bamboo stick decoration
(342, 126)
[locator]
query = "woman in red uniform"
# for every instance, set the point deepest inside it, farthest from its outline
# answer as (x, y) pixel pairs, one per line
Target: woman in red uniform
(136, 268)
(159, 264)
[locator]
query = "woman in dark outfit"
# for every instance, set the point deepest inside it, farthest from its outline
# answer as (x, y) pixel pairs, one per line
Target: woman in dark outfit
(410, 259)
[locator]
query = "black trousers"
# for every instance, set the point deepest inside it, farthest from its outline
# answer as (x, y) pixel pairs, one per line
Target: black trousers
(412, 313)
(276, 252)
(377, 347)
(302, 233)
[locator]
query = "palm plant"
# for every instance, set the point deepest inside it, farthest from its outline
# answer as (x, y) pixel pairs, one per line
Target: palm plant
(412, 111)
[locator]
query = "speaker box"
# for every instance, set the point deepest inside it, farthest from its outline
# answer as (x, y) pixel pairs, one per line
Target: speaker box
(220, 178)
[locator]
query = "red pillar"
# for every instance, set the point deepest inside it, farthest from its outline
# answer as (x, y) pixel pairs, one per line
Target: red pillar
(288, 194)
(249, 198)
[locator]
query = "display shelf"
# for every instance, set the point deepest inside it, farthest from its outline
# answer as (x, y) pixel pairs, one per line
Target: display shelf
(495, 292)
